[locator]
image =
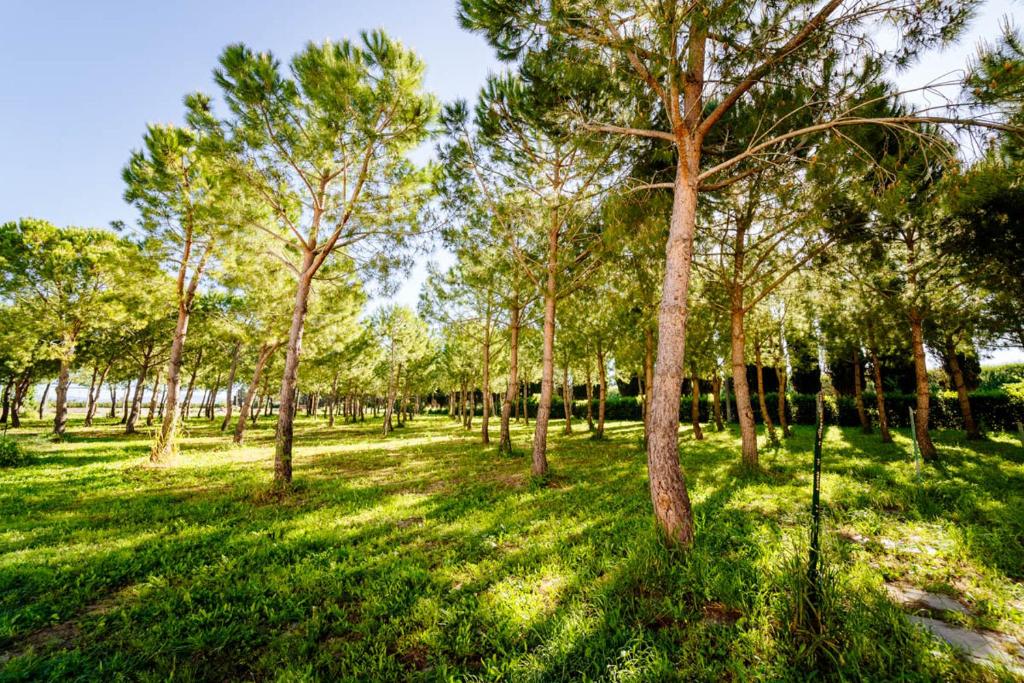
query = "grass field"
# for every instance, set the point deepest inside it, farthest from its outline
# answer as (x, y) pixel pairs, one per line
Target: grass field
(426, 556)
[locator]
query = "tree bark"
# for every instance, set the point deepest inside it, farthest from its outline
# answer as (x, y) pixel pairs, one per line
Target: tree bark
(648, 378)
(698, 434)
(567, 400)
(485, 437)
(290, 376)
(187, 405)
(539, 467)
(334, 399)
(766, 417)
(124, 411)
(228, 401)
(512, 390)
(783, 381)
(590, 400)
(716, 400)
(113, 401)
(740, 388)
(94, 395)
(883, 418)
(669, 496)
(5, 403)
(153, 400)
(602, 391)
(140, 388)
(858, 395)
(266, 351)
(46, 392)
(60, 417)
(389, 406)
(970, 426)
(924, 439)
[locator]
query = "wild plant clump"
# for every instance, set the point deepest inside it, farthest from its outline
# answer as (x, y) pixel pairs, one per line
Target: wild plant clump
(11, 455)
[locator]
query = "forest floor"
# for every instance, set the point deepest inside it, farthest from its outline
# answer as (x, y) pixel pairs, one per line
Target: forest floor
(426, 556)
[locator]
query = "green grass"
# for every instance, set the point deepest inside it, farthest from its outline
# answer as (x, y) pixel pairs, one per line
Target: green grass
(426, 556)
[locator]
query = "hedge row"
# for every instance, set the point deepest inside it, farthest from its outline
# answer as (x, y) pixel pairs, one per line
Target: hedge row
(993, 410)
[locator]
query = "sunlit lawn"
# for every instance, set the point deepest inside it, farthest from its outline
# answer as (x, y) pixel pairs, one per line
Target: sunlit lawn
(427, 556)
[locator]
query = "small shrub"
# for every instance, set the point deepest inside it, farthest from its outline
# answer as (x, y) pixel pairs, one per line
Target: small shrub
(11, 454)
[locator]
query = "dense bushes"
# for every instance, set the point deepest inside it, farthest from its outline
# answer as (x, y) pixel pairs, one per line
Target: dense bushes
(993, 410)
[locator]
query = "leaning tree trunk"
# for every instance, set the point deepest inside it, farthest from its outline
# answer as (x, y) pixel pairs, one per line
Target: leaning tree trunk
(539, 466)
(716, 400)
(648, 379)
(567, 400)
(924, 439)
(512, 390)
(698, 434)
(290, 376)
(164, 446)
(46, 392)
(783, 381)
(20, 389)
(669, 497)
(191, 384)
(229, 399)
(602, 391)
(94, 398)
(858, 395)
(140, 387)
(766, 417)
(883, 418)
(266, 350)
(970, 426)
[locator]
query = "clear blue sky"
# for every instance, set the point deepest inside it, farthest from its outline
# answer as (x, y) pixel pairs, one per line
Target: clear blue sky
(82, 78)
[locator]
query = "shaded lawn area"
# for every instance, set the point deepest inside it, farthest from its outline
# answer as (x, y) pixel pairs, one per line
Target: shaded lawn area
(426, 556)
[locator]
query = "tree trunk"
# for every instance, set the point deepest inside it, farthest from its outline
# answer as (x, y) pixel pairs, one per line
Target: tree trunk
(113, 401)
(191, 385)
(389, 406)
(883, 418)
(60, 417)
(669, 497)
(649, 380)
(858, 395)
(5, 404)
(153, 400)
(602, 391)
(140, 388)
(20, 389)
(728, 401)
(526, 404)
(124, 411)
(229, 398)
(740, 388)
(290, 376)
(485, 437)
(590, 400)
(924, 439)
(164, 446)
(783, 381)
(266, 351)
(766, 417)
(970, 426)
(698, 434)
(334, 399)
(46, 392)
(567, 400)
(539, 466)
(512, 390)
(204, 403)
(92, 397)
(716, 400)
(211, 403)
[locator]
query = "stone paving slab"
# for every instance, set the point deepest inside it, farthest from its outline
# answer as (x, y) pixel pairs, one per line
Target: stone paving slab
(984, 647)
(910, 596)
